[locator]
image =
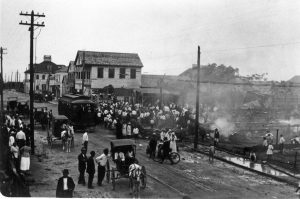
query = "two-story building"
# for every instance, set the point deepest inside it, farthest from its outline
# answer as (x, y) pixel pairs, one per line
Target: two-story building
(96, 70)
(45, 76)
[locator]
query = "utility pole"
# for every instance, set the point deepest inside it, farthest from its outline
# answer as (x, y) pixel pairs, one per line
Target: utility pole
(83, 73)
(2, 85)
(31, 25)
(3, 162)
(197, 101)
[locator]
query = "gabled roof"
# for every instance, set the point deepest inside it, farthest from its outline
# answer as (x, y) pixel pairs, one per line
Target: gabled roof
(109, 59)
(45, 67)
(71, 66)
(63, 69)
(295, 79)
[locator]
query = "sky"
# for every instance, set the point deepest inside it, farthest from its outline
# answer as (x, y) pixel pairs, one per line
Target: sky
(256, 36)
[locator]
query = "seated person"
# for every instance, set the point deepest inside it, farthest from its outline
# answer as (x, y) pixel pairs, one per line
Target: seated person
(129, 158)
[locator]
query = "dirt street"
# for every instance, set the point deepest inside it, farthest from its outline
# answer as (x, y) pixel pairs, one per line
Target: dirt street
(194, 176)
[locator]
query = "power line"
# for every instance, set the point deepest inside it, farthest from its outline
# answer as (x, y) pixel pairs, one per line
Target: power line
(32, 25)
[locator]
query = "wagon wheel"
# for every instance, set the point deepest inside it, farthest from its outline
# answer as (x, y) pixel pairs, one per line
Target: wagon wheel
(113, 182)
(175, 157)
(143, 178)
(107, 172)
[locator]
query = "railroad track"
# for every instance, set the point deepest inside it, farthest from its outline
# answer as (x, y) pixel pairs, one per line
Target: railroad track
(177, 173)
(174, 174)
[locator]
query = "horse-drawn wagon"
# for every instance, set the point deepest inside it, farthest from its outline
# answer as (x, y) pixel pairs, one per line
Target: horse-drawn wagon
(123, 154)
(59, 124)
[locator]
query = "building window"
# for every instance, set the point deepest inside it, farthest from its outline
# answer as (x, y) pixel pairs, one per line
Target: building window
(37, 76)
(100, 73)
(122, 73)
(43, 87)
(133, 73)
(88, 75)
(111, 73)
(37, 88)
(82, 75)
(43, 76)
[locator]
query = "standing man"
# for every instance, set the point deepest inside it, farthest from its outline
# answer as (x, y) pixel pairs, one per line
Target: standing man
(281, 143)
(118, 129)
(101, 161)
(166, 151)
(21, 138)
(211, 153)
(65, 186)
(152, 145)
(270, 152)
(85, 140)
(91, 169)
(82, 159)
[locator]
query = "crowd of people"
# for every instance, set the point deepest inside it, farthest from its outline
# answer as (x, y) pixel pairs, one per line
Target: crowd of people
(138, 116)
(130, 120)
(18, 134)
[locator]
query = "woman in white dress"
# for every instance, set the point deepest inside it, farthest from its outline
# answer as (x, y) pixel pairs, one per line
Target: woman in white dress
(173, 145)
(25, 158)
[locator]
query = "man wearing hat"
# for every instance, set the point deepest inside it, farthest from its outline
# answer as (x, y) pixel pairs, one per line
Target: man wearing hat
(82, 159)
(91, 169)
(65, 186)
(152, 145)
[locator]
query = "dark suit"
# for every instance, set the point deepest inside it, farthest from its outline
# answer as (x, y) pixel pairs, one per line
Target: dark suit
(60, 192)
(90, 170)
(166, 150)
(82, 159)
(118, 130)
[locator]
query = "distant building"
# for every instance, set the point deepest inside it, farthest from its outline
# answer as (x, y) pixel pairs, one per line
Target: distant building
(96, 70)
(69, 81)
(47, 77)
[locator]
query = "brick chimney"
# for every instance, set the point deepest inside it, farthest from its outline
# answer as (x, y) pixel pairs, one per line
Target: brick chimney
(47, 57)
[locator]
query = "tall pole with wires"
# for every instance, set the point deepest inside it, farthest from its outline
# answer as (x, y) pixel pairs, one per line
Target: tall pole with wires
(3, 148)
(197, 101)
(32, 25)
(2, 83)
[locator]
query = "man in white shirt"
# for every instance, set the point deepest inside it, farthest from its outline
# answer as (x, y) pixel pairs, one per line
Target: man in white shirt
(65, 186)
(20, 138)
(135, 133)
(11, 140)
(281, 143)
(85, 140)
(102, 161)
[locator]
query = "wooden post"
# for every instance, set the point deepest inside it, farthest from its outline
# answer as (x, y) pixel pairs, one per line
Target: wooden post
(277, 137)
(295, 161)
(197, 101)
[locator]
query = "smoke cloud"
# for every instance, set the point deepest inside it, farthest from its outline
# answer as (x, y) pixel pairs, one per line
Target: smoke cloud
(224, 126)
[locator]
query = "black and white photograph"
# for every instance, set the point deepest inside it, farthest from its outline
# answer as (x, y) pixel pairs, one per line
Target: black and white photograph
(150, 99)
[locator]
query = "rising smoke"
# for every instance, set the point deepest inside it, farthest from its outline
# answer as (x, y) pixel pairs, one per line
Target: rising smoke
(224, 126)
